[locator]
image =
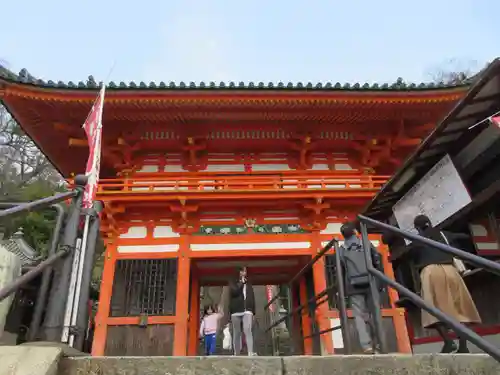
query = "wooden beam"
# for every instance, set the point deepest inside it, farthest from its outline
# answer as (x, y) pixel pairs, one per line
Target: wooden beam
(64, 128)
(77, 142)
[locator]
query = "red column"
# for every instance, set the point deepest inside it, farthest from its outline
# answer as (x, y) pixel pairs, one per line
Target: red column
(182, 305)
(306, 320)
(106, 290)
(398, 314)
(319, 286)
(194, 315)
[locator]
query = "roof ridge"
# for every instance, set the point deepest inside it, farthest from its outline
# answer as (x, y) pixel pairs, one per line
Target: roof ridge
(25, 77)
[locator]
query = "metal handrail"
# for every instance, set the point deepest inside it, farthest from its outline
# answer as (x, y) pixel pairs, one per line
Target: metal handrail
(489, 265)
(459, 328)
(304, 269)
(38, 204)
(302, 307)
(47, 273)
(30, 275)
(314, 300)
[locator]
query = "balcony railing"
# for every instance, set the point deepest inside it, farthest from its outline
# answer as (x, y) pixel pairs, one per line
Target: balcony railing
(241, 183)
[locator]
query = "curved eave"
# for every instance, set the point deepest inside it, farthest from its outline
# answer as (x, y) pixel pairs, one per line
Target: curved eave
(21, 99)
(252, 95)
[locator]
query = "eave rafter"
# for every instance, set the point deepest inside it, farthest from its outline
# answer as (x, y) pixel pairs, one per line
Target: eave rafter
(110, 225)
(185, 219)
(116, 153)
(193, 153)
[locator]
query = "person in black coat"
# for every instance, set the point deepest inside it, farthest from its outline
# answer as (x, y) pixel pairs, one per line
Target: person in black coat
(442, 285)
(242, 311)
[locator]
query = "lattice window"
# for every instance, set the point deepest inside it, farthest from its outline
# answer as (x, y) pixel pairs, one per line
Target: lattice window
(144, 286)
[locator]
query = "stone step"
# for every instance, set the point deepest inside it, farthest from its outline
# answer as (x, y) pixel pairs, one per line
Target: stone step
(38, 360)
(470, 364)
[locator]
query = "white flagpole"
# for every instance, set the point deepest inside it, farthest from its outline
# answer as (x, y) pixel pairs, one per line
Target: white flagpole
(73, 300)
(79, 269)
(71, 292)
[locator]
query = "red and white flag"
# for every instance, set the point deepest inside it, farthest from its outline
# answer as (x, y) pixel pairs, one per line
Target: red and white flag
(495, 120)
(93, 130)
(269, 290)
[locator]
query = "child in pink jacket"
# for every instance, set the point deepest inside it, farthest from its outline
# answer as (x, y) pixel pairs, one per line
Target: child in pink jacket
(209, 326)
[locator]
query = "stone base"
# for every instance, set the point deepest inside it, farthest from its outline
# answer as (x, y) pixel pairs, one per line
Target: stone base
(394, 364)
(49, 360)
(469, 364)
(28, 360)
(172, 366)
(67, 350)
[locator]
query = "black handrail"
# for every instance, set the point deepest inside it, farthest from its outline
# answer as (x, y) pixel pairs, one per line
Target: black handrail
(458, 327)
(341, 295)
(47, 273)
(318, 333)
(304, 269)
(38, 204)
(303, 306)
(346, 336)
(43, 291)
(374, 301)
(474, 259)
(30, 275)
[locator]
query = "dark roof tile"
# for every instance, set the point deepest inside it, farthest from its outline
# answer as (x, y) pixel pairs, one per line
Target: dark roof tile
(399, 85)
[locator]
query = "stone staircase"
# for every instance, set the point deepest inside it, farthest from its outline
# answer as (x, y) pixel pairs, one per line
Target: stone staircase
(36, 360)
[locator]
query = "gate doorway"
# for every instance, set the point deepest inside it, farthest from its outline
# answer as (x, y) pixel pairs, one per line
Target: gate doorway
(210, 279)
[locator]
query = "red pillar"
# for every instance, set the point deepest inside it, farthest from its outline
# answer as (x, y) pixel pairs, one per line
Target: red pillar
(306, 320)
(319, 278)
(182, 305)
(106, 290)
(194, 315)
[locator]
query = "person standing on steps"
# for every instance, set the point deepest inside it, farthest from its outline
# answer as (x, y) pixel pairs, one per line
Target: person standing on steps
(357, 286)
(242, 311)
(209, 327)
(442, 285)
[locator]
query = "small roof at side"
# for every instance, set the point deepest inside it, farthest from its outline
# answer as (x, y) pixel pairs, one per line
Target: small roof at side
(451, 135)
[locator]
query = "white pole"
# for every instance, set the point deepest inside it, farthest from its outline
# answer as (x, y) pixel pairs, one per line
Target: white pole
(79, 275)
(71, 293)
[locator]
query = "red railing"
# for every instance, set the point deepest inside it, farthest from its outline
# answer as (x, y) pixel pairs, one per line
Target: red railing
(240, 183)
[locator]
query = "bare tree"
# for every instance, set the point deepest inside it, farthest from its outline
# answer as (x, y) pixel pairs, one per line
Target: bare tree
(21, 163)
(454, 71)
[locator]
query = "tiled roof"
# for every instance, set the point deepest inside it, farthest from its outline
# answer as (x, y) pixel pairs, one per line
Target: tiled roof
(27, 256)
(399, 85)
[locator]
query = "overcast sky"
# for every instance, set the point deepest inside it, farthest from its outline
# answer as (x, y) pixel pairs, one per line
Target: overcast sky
(240, 40)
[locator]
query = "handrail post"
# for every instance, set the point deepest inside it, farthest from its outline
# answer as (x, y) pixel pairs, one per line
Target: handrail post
(375, 295)
(311, 307)
(54, 316)
(46, 276)
(342, 305)
(88, 266)
(291, 321)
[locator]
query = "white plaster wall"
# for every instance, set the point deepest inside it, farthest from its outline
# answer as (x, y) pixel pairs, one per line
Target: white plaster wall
(165, 248)
(250, 246)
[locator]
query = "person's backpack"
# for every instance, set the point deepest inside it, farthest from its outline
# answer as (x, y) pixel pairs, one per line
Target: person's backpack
(355, 264)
